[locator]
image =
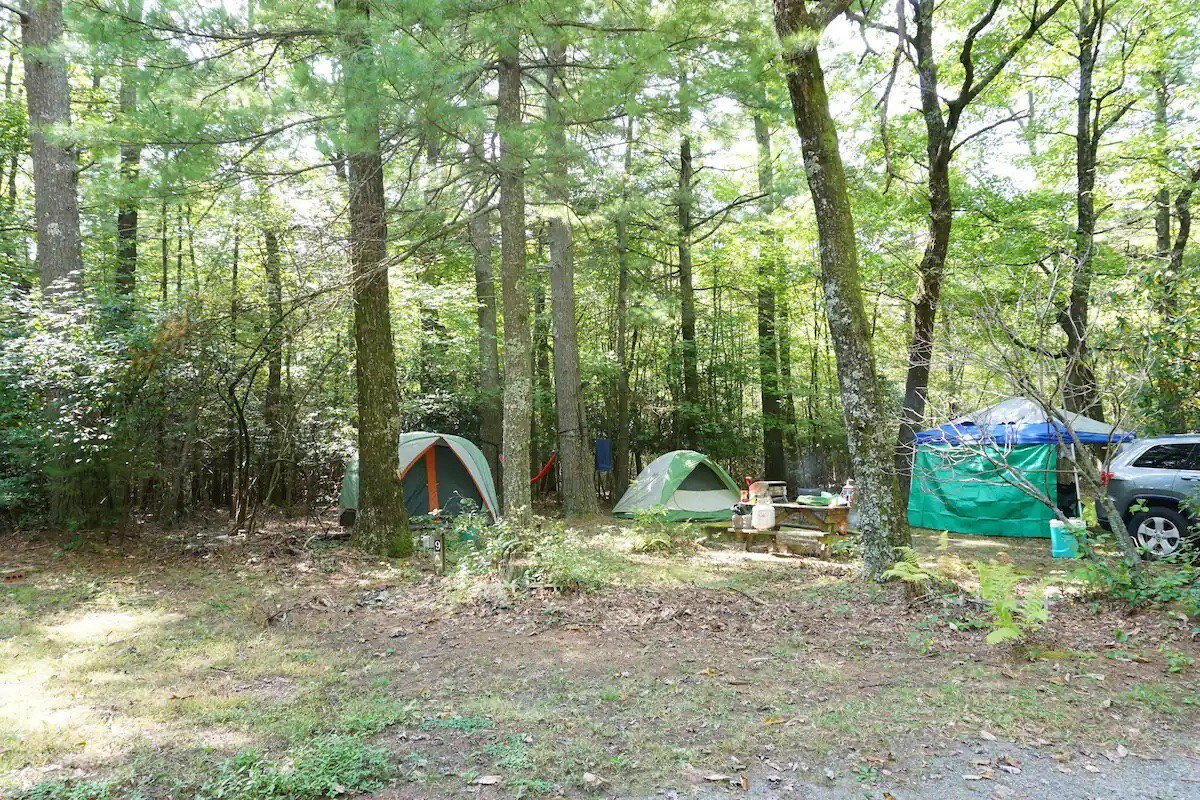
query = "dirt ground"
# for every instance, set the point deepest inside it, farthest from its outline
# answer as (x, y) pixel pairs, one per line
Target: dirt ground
(139, 663)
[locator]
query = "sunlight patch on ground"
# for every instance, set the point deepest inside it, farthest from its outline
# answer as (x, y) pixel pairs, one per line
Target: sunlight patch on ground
(44, 700)
(97, 628)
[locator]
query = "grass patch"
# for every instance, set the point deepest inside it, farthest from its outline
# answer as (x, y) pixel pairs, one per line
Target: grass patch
(510, 754)
(464, 724)
(67, 790)
(327, 767)
(371, 714)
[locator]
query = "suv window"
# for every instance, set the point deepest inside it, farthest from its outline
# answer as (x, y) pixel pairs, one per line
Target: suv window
(1169, 456)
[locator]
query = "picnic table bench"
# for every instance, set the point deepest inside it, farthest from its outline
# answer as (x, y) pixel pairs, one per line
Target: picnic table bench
(802, 526)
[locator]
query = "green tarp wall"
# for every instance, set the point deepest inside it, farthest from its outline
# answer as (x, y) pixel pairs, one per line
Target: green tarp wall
(964, 490)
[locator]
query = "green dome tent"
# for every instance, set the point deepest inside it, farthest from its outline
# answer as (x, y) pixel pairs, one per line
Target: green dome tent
(687, 486)
(440, 471)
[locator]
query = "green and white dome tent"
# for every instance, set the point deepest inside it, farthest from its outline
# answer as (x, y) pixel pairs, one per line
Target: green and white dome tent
(440, 472)
(685, 485)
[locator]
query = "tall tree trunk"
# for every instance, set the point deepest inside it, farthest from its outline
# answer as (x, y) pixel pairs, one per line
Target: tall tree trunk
(273, 398)
(232, 456)
(938, 142)
(574, 446)
(178, 250)
(1162, 216)
(131, 157)
(1169, 410)
(432, 343)
(1079, 391)
(1183, 224)
(774, 458)
(1168, 279)
(55, 178)
(870, 440)
(783, 333)
(381, 524)
(542, 441)
(490, 415)
(621, 445)
(688, 353)
(164, 251)
(12, 159)
(941, 127)
(518, 378)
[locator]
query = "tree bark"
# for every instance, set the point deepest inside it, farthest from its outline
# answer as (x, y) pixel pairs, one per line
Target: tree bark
(273, 398)
(621, 445)
(236, 502)
(490, 415)
(542, 440)
(12, 159)
(938, 143)
(131, 157)
(381, 524)
(1162, 200)
(55, 178)
(164, 251)
(518, 367)
(688, 353)
(574, 446)
(941, 128)
(783, 333)
(1079, 391)
(432, 342)
(774, 457)
(870, 443)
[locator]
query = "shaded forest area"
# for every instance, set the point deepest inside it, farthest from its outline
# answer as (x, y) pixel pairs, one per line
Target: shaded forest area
(241, 242)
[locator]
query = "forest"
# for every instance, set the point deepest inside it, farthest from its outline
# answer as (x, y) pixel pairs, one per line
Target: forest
(244, 243)
(247, 247)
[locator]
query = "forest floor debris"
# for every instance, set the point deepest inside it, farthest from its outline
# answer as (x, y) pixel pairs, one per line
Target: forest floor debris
(135, 666)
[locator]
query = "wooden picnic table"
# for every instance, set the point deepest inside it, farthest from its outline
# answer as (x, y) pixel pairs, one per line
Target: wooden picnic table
(830, 519)
(804, 516)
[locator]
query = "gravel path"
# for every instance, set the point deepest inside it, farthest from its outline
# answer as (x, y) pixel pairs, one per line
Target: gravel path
(989, 771)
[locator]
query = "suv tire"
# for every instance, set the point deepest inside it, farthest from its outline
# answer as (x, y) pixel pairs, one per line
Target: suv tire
(1159, 531)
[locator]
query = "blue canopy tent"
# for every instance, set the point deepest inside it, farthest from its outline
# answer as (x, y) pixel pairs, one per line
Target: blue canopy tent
(979, 473)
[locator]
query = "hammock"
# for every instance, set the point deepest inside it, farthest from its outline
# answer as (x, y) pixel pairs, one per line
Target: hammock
(546, 468)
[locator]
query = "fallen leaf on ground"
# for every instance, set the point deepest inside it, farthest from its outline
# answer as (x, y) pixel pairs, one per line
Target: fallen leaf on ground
(488, 780)
(593, 780)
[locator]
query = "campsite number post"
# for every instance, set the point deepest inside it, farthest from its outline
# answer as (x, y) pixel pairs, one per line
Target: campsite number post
(436, 543)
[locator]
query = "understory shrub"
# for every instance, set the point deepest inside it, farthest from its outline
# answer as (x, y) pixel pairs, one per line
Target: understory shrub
(541, 553)
(652, 533)
(908, 570)
(1010, 616)
(920, 580)
(1175, 579)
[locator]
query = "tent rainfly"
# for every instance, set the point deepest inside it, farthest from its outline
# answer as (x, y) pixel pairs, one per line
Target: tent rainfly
(440, 471)
(966, 472)
(687, 486)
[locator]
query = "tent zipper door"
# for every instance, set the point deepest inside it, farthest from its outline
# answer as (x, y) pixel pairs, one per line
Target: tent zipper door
(431, 485)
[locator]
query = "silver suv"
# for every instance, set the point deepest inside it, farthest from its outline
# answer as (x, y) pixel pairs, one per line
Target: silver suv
(1155, 484)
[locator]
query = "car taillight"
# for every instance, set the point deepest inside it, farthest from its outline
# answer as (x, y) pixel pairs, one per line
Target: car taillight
(1106, 478)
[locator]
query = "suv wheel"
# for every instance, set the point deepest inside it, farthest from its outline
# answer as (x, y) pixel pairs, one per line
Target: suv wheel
(1159, 531)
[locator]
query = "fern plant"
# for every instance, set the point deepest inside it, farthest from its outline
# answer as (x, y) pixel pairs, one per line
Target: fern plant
(909, 570)
(1012, 617)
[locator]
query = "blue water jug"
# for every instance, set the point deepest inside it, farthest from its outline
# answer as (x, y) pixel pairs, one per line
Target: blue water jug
(1064, 537)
